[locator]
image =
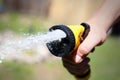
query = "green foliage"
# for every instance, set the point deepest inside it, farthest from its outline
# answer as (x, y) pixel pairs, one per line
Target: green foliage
(1, 1)
(14, 23)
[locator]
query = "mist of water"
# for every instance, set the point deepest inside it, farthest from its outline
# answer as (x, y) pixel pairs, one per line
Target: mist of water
(27, 43)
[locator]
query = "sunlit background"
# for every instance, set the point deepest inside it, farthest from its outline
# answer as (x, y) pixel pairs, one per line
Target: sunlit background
(18, 17)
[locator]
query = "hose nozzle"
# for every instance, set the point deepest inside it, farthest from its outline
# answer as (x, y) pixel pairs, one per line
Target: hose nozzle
(75, 35)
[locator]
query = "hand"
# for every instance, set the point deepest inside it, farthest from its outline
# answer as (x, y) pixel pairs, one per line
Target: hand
(96, 36)
(77, 69)
(99, 23)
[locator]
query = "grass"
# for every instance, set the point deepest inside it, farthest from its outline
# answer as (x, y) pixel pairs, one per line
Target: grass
(52, 70)
(105, 61)
(15, 71)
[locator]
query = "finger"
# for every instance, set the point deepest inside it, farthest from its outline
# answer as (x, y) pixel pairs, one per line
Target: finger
(86, 46)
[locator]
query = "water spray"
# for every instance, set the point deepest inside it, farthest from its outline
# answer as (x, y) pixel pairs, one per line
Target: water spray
(21, 48)
(75, 34)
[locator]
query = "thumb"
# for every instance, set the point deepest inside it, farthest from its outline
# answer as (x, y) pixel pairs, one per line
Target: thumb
(86, 46)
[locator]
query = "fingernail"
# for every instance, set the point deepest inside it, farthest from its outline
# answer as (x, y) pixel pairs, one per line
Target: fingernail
(78, 59)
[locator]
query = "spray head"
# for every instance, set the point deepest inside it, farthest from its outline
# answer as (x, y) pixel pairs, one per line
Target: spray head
(74, 36)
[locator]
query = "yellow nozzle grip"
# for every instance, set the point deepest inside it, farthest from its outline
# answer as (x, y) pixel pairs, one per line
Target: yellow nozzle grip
(78, 31)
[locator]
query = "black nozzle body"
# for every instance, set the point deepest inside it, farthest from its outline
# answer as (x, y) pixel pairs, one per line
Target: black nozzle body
(65, 45)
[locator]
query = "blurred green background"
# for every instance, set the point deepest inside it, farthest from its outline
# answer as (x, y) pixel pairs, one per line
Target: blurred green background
(30, 17)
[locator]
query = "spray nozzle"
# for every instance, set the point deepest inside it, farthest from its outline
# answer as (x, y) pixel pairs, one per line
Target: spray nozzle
(66, 45)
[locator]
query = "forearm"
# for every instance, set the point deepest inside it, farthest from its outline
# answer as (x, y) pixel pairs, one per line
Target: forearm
(106, 15)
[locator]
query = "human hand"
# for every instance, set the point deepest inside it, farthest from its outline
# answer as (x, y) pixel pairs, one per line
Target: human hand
(76, 69)
(100, 22)
(96, 36)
